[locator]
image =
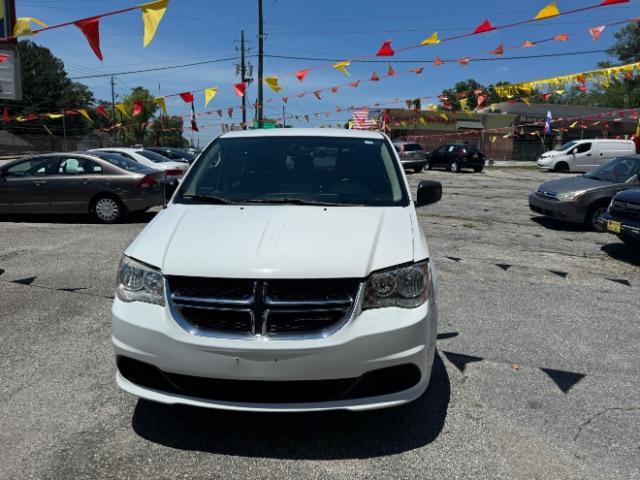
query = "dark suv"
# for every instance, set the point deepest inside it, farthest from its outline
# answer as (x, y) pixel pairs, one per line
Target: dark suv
(455, 157)
(412, 155)
(623, 216)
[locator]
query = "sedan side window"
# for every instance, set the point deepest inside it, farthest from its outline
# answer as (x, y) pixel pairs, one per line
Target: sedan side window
(78, 166)
(36, 167)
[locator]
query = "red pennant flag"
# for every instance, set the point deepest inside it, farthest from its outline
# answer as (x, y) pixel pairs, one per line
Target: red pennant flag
(386, 50)
(417, 71)
(478, 91)
(285, 99)
(481, 99)
(301, 94)
(499, 50)
(302, 74)
(484, 27)
(464, 61)
(545, 96)
(563, 37)
(334, 89)
(137, 107)
(317, 94)
(240, 88)
(582, 88)
(355, 84)
(438, 61)
(3, 57)
(230, 112)
(338, 109)
(91, 30)
(462, 94)
(219, 112)
(5, 115)
(613, 2)
(375, 77)
(187, 97)
(528, 44)
(391, 72)
(102, 111)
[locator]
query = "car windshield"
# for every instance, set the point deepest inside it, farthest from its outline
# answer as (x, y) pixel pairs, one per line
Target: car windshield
(412, 147)
(619, 170)
(296, 170)
(566, 146)
(119, 161)
(153, 156)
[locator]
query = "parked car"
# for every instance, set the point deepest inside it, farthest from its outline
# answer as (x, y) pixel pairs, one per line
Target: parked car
(412, 155)
(623, 216)
(107, 186)
(176, 154)
(585, 155)
(220, 302)
(455, 157)
(585, 199)
(149, 159)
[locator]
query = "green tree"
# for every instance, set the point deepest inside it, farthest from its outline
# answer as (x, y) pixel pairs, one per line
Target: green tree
(468, 87)
(627, 47)
(167, 132)
(135, 128)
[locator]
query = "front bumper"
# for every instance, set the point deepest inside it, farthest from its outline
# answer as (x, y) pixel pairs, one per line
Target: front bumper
(546, 163)
(565, 211)
(414, 163)
(372, 341)
(628, 228)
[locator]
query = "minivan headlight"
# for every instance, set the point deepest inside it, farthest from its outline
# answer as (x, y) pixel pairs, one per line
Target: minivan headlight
(139, 283)
(404, 287)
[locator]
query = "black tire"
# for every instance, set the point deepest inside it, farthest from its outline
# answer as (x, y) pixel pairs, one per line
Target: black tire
(418, 169)
(107, 209)
(561, 167)
(593, 220)
(454, 167)
(429, 166)
(478, 169)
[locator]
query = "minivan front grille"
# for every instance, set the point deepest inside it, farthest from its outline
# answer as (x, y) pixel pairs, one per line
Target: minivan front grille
(261, 308)
(625, 210)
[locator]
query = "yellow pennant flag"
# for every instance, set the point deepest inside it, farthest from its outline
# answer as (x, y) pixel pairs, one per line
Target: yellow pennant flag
(161, 103)
(493, 107)
(549, 11)
(506, 136)
(423, 121)
(342, 66)
(23, 26)
(152, 14)
(432, 108)
(573, 125)
(403, 123)
(84, 113)
(55, 116)
(493, 139)
(121, 108)
(560, 92)
(444, 117)
(432, 40)
(209, 93)
(463, 104)
(526, 100)
(272, 83)
(21, 119)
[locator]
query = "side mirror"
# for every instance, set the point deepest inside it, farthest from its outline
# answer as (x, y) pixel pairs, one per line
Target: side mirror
(574, 151)
(429, 192)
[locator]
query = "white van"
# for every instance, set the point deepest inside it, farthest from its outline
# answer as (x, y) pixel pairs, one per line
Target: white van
(585, 155)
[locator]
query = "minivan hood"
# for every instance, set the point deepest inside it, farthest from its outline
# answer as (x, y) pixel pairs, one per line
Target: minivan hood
(572, 184)
(275, 241)
(630, 196)
(551, 153)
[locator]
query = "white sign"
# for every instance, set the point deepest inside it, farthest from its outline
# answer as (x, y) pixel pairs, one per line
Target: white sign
(10, 78)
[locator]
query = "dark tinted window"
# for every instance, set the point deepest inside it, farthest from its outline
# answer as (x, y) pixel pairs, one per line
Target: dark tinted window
(583, 148)
(78, 166)
(412, 147)
(312, 169)
(619, 170)
(119, 161)
(153, 156)
(35, 167)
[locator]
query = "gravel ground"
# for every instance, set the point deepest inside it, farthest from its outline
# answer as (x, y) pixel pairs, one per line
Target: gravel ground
(537, 374)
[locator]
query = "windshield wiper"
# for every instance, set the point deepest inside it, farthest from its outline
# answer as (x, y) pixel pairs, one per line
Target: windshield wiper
(207, 199)
(299, 201)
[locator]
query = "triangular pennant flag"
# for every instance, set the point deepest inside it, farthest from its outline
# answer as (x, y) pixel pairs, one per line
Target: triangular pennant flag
(386, 50)
(492, 107)
(563, 37)
(285, 99)
(230, 112)
(162, 104)
(409, 104)
(499, 50)
(375, 77)
(302, 74)
(152, 14)
(484, 27)
(338, 109)
(85, 114)
(464, 61)
(463, 104)
(5, 115)
(137, 108)
(480, 99)
(102, 111)
(528, 44)
(55, 116)
(122, 109)
(582, 88)
(342, 66)
(526, 101)
(432, 40)
(560, 91)
(573, 125)
(219, 112)
(417, 71)
(506, 136)
(334, 89)
(3, 56)
(613, 2)
(187, 97)
(423, 121)
(23, 26)
(240, 88)
(209, 94)
(596, 32)
(317, 94)
(390, 71)
(438, 61)
(91, 30)
(549, 11)
(272, 83)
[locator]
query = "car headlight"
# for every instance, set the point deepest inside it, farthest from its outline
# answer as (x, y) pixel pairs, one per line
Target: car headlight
(139, 283)
(404, 287)
(570, 196)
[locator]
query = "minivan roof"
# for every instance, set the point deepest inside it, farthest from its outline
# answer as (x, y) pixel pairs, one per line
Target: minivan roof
(304, 132)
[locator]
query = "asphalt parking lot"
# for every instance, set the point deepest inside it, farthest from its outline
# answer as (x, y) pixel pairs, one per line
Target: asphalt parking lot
(537, 375)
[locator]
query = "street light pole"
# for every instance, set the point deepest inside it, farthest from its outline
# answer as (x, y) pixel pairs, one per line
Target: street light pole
(260, 63)
(243, 79)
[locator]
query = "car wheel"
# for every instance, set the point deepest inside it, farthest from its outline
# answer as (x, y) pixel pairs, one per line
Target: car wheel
(478, 169)
(455, 168)
(561, 167)
(418, 169)
(429, 166)
(594, 219)
(107, 209)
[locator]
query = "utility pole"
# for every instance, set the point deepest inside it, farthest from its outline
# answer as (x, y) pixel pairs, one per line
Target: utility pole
(260, 64)
(113, 101)
(243, 71)
(161, 117)
(284, 117)
(64, 131)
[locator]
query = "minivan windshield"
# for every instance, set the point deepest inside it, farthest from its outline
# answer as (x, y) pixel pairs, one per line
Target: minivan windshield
(618, 170)
(296, 170)
(566, 146)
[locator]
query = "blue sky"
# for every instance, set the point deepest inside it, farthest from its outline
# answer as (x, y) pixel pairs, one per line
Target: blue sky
(198, 30)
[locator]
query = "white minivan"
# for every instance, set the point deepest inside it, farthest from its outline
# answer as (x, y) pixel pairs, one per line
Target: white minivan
(585, 155)
(288, 272)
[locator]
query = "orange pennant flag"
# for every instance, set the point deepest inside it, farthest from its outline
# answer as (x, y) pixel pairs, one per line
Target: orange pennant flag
(302, 74)
(464, 61)
(438, 61)
(499, 50)
(417, 71)
(390, 71)
(528, 44)
(563, 37)
(375, 77)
